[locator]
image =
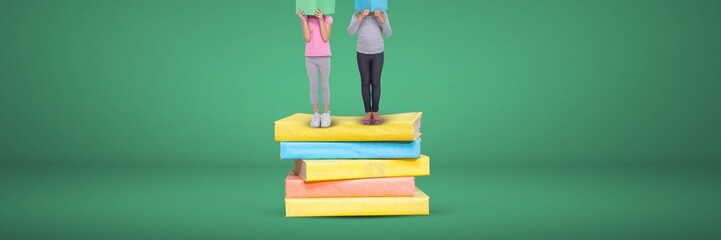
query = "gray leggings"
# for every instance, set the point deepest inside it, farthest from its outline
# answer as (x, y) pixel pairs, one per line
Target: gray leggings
(315, 65)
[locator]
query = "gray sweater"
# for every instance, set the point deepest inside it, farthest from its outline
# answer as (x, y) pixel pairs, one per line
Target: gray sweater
(370, 33)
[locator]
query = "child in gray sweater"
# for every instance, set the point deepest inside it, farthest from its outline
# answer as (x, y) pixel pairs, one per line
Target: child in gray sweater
(371, 29)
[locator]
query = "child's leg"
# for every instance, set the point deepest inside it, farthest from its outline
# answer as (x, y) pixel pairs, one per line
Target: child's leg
(364, 68)
(324, 67)
(376, 68)
(312, 69)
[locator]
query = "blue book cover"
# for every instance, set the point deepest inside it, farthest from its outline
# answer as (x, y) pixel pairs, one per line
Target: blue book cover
(349, 150)
(372, 5)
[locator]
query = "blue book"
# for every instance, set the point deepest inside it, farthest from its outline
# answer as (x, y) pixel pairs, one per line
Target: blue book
(372, 5)
(349, 150)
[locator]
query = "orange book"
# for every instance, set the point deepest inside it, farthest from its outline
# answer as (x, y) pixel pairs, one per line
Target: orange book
(295, 187)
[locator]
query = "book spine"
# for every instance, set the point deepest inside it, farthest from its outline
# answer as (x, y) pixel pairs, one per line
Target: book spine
(401, 133)
(360, 206)
(295, 187)
(350, 150)
(323, 170)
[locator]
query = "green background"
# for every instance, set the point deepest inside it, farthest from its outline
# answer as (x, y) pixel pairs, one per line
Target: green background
(557, 119)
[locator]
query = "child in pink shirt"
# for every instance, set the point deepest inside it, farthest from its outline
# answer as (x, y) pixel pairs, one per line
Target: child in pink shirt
(316, 32)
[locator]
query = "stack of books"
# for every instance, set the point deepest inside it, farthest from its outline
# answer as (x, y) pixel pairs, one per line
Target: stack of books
(351, 169)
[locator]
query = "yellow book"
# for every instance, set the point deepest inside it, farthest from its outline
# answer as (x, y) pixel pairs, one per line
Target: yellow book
(323, 170)
(395, 127)
(358, 206)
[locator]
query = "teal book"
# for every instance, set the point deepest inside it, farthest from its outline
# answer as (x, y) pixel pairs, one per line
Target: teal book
(349, 150)
(310, 6)
(371, 5)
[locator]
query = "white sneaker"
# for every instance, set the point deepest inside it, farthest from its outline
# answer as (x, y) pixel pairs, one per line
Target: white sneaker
(315, 122)
(325, 120)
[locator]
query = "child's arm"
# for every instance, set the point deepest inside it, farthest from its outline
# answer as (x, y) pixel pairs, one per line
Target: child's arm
(380, 17)
(356, 20)
(304, 24)
(324, 27)
(383, 21)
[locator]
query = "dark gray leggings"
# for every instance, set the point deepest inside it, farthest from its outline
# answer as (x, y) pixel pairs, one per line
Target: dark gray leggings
(370, 67)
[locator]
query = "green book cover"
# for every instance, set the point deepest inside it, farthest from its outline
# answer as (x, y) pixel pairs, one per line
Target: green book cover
(309, 6)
